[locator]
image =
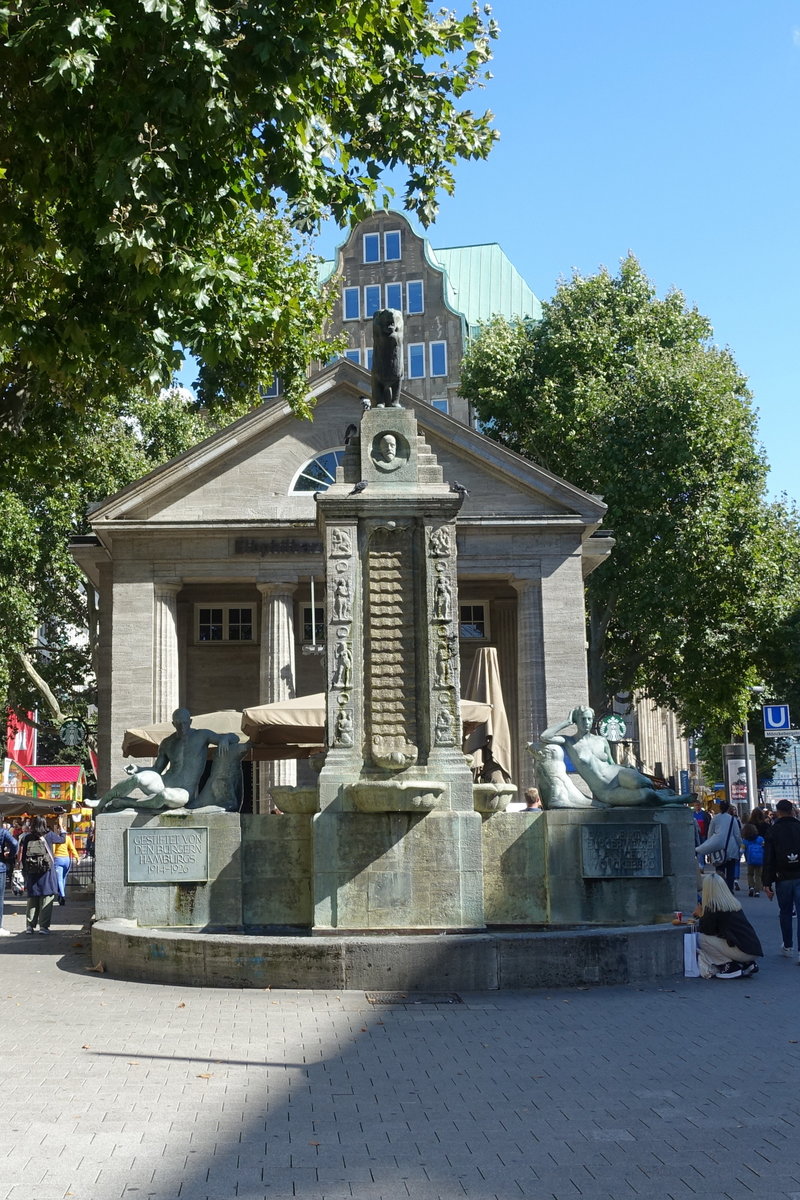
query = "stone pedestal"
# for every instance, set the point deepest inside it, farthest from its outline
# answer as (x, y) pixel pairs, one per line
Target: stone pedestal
(178, 871)
(392, 871)
(571, 867)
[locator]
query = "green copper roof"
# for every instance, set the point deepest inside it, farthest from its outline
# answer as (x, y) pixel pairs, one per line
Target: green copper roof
(480, 281)
(485, 282)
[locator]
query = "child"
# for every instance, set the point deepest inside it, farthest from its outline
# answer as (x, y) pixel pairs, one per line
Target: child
(754, 857)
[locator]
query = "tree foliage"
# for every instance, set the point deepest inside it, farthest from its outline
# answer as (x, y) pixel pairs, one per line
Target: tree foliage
(51, 474)
(625, 395)
(138, 137)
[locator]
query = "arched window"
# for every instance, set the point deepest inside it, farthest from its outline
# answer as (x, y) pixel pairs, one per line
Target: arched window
(318, 473)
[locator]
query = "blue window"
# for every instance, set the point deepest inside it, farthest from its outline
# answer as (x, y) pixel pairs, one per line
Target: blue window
(372, 299)
(416, 360)
(368, 363)
(274, 389)
(394, 296)
(353, 356)
(372, 247)
(318, 474)
(438, 358)
(352, 309)
(414, 298)
(442, 403)
(391, 245)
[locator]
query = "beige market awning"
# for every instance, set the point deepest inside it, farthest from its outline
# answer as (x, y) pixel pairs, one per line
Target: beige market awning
(144, 742)
(303, 720)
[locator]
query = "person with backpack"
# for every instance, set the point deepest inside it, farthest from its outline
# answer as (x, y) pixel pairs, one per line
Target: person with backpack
(8, 854)
(35, 856)
(724, 843)
(753, 856)
(782, 868)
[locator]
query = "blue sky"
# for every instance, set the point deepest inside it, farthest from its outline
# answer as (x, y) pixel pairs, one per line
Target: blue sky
(668, 129)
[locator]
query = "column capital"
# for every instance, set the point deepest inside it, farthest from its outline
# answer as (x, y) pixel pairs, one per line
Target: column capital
(167, 587)
(524, 583)
(271, 587)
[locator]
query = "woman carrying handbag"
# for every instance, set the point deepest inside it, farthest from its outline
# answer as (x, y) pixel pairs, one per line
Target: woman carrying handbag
(724, 843)
(35, 857)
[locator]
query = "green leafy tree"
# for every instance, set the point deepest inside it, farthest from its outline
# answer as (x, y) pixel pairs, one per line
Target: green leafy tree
(50, 475)
(625, 395)
(139, 138)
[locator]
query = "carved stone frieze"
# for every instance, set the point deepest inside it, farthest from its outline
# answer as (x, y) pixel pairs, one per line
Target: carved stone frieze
(440, 543)
(342, 662)
(341, 543)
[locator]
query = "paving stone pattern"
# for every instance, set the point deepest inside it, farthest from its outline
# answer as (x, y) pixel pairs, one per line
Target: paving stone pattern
(145, 1092)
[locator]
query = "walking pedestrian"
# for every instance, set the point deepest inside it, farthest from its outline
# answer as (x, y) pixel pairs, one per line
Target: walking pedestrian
(8, 854)
(754, 857)
(63, 858)
(782, 869)
(36, 858)
(725, 839)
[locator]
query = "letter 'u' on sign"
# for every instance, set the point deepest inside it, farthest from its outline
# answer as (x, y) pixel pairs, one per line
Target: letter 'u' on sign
(776, 716)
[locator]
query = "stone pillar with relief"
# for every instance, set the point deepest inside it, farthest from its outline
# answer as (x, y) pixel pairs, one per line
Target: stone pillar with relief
(277, 673)
(396, 840)
(166, 678)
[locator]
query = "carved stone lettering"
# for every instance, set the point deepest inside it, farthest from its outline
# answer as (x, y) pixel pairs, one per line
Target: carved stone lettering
(167, 855)
(621, 851)
(275, 546)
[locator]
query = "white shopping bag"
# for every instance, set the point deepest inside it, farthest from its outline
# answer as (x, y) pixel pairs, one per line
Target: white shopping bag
(690, 967)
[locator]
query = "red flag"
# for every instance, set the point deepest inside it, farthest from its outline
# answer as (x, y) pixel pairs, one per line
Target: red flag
(94, 761)
(21, 739)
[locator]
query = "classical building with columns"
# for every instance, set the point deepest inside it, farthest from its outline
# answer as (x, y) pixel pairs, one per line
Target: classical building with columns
(204, 568)
(204, 571)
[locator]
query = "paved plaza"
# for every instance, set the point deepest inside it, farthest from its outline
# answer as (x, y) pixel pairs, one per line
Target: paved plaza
(148, 1092)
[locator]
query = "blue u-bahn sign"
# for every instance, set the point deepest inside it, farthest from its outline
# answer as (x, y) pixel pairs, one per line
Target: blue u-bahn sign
(777, 722)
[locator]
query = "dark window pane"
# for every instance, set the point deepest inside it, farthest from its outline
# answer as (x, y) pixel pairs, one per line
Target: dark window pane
(319, 624)
(209, 625)
(473, 621)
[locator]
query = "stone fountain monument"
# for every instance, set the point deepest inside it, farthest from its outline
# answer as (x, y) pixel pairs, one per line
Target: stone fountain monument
(389, 869)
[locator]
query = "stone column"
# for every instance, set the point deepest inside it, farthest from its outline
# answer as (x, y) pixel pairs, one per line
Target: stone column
(531, 685)
(166, 680)
(503, 632)
(277, 673)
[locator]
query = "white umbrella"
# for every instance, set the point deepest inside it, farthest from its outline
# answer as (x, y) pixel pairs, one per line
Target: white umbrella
(484, 683)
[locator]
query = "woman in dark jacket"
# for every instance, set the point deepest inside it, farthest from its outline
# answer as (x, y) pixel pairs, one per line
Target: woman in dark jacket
(727, 944)
(41, 879)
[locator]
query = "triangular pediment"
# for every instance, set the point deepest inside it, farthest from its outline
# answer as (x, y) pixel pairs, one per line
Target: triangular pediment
(244, 474)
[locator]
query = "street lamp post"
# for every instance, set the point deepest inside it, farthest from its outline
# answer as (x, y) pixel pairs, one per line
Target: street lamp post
(756, 691)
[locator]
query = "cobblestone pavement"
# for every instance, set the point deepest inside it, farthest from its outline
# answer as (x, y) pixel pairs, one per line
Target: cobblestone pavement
(148, 1092)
